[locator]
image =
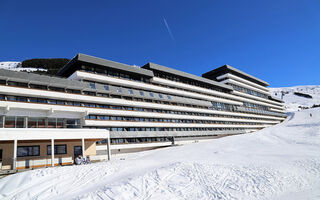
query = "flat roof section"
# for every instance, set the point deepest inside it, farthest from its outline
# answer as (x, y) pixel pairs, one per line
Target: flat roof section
(153, 66)
(228, 69)
(71, 66)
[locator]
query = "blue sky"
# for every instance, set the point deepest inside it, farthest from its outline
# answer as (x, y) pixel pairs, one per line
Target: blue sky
(276, 40)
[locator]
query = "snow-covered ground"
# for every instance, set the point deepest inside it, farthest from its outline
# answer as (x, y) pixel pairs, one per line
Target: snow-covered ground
(17, 66)
(279, 162)
(294, 102)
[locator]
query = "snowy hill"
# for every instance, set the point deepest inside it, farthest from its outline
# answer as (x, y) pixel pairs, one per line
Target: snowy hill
(17, 66)
(293, 99)
(279, 162)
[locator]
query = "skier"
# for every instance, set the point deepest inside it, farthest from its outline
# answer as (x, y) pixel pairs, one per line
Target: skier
(310, 115)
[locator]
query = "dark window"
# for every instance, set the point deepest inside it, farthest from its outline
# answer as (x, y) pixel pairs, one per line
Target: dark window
(28, 151)
(106, 87)
(92, 86)
(89, 93)
(17, 84)
(11, 98)
(42, 87)
(56, 89)
(58, 149)
(50, 101)
(73, 123)
(10, 122)
(23, 99)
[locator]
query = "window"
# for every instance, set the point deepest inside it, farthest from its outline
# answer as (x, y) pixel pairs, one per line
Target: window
(50, 101)
(106, 87)
(89, 93)
(130, 91)
(160, 95)
(151, 94)
(34, 122)
(11, 98)
(119, 90)
(28, 151)
(58, 149)
(169, 97)
(56, 89)
(92, 85)
(23, 99)
(141, 93)
(41, 87)
(52, 122)
(9, 122)
(19, 122)
(73, 123)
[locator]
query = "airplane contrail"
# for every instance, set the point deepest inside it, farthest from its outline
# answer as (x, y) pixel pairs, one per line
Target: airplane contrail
(168, 29)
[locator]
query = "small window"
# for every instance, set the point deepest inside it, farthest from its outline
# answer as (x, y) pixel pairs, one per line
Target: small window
(23, 99)
(141, 93)
(130, 91)
(11, 98)
(169, 97)
(50, 101)
(119, 90)
(106, 87)
(160, 95)
(58, 149)
(151, 94)
(92, 85)
(28, 151)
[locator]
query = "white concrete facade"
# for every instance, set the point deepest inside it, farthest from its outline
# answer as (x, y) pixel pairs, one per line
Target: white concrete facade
(196, 105)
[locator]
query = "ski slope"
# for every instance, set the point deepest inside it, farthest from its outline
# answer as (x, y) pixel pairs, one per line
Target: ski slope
(279, 162)
(294, 102)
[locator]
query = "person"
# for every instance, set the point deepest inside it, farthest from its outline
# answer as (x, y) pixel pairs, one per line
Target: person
(88, 160)
(310, 115)
(78, 160)
(83, 160)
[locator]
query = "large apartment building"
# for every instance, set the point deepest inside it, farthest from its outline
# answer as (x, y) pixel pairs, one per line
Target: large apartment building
(93, 102)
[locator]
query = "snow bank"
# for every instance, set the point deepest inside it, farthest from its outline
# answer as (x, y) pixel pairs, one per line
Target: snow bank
(279, 162)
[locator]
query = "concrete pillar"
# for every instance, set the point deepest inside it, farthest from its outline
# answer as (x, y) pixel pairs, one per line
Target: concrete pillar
(108, 149)
(15, 147)
(83, 147)
(52, 152)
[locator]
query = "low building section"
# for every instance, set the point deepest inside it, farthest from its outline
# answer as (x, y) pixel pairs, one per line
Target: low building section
(143, 107)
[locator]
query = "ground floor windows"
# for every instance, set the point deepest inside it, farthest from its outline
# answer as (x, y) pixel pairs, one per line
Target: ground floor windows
(58, 149)
(24, 151)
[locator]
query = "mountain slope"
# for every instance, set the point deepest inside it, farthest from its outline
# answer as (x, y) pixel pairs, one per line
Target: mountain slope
(17, 66)
(294, 96)
(279, 162)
